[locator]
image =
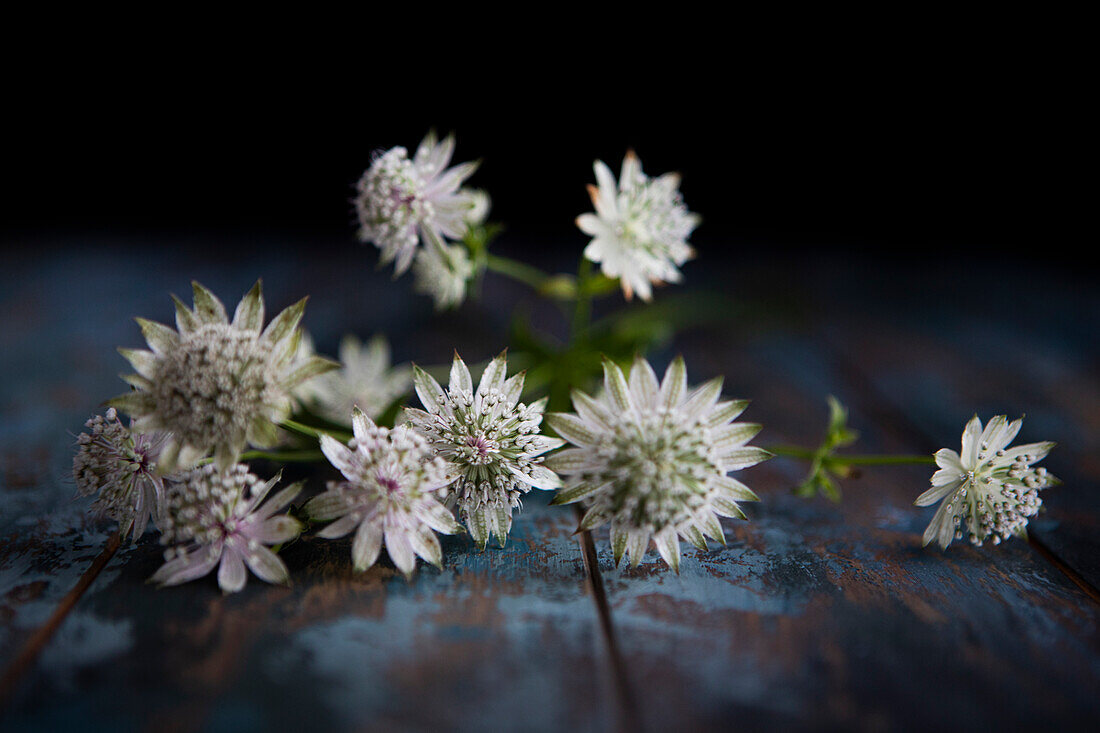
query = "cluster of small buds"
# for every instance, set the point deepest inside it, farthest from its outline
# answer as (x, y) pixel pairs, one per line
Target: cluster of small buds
(394, 461)
(391, 494)
(217, 382)
(640, 227)
(202, 506)
(391, 204)
(121, 468)
(998, 503)
(666, 466)
(988, 490)
(491, 438)
(652, 459)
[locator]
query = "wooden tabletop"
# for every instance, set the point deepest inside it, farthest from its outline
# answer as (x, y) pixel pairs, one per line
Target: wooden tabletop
(815, 615)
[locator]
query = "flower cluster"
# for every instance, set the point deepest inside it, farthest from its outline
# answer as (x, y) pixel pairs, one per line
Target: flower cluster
(365, 380)
(403, 201)
(392, 492)
(640, 227)
(492, 440)
(651, 459)
(214, 517)
(216, 385)
(120, 468)
(989, 490)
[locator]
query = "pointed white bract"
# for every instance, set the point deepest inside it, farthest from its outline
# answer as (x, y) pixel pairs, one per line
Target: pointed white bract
(640, 227)
(365, 380)
(215, 518)
(401, 199)
(651, 460)
(492, 440)
(120, 469)
(989, 490)
(391, 494)
(216, 385)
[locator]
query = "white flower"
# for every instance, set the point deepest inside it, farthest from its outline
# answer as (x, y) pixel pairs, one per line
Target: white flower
(216, 385)
(392, 492)
(989, 490)
(400, 199)
(121, 468)
(492, 440)
(215, 518)
(365, 380)
(651, 459)
(442, 272)
(640, 227)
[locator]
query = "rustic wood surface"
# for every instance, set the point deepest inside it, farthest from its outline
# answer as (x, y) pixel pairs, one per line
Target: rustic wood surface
(815, 615)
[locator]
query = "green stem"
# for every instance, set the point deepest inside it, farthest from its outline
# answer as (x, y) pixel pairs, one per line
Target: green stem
(286, 456)
(583, 312)
(297, 427)
(516, 270)
(794, 451)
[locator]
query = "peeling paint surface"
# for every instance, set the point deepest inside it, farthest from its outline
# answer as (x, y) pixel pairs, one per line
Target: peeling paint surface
(813, 616)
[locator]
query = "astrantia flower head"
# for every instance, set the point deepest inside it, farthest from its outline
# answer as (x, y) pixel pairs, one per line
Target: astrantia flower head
(492, 440)
(216, 385)
(392, 492)
(400, 199)
(988, 490)
(216, 518)
(640, 227)
(121, 468)
(442, 271)
(365, 380)
(651, 460)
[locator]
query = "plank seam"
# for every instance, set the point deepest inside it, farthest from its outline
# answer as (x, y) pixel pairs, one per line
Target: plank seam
(626, 706)
(882, 404)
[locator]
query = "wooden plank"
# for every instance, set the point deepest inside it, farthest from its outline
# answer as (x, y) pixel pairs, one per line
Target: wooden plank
(829, 616)
(932, 373)
(496, 637)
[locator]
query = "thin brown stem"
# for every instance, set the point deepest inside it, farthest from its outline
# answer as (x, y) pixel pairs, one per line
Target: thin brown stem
(627, 708)
(34, 645)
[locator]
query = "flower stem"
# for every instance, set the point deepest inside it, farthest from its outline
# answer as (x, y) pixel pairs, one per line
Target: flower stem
(809, 454)
(297, 427)
(583, 312)
(516, 270)
(287, 456)
(34, 645)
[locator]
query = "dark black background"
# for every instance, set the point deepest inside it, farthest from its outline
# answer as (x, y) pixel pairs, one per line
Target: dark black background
(962, 143)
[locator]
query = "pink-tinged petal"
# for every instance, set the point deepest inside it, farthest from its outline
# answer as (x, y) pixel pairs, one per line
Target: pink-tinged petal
(366, 546)
(267, 566)
(426, 545)
(668, 544)
(400, 549)
(194, 564)
(277, 530)
(339, 455)
(340, 527)
(232, 574)
(280, 500)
